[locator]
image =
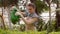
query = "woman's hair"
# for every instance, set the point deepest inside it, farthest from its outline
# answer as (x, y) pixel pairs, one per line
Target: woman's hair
(34, 6)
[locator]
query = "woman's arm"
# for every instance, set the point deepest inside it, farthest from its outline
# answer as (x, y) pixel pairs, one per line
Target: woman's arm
(28, 20)
(31, 20)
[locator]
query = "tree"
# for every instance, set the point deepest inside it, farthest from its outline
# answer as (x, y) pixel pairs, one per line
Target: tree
(7, 3)
(57, 17)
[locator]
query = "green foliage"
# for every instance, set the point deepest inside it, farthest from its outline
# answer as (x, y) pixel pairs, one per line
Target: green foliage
(0, 2)
(40, 25)
(14, 18)
(54, 33)
(41, 6)
(25, 32)
(22, 27)
(19, 32)
(55, 1)
(51, 26)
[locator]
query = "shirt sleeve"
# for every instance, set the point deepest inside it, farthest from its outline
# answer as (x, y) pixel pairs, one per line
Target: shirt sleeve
(35, 16)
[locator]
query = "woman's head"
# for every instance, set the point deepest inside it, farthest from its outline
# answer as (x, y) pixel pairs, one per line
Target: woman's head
(31, 7)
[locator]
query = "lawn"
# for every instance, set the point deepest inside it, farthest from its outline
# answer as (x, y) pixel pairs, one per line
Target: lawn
(29, 32)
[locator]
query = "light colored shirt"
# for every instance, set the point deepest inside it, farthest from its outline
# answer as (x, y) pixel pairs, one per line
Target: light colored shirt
(33, 15)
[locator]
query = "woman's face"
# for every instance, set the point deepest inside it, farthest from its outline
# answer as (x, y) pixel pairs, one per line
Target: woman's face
(31, 9)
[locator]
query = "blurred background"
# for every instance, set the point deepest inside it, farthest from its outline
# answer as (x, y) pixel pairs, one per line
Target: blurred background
(49, 13)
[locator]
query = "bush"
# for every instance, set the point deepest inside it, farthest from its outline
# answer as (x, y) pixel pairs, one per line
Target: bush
(54, 33)
(14, 18)
(29, 32)
(19, 32)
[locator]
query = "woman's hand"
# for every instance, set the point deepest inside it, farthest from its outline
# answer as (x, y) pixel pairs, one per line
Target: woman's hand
(17, 13)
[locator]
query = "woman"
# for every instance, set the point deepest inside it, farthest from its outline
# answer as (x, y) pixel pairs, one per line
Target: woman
(32, 17)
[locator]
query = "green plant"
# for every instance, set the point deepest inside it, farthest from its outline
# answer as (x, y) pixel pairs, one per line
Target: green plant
(51, 26)
(19, 32)
(54, 33)
(25, 32)
(14, 18)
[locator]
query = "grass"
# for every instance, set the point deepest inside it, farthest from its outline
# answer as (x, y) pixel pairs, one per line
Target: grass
(29, 32)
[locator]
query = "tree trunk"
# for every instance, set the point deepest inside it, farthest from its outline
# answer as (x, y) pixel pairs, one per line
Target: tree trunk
(58, 16)
(3, 19)
(8, 11)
